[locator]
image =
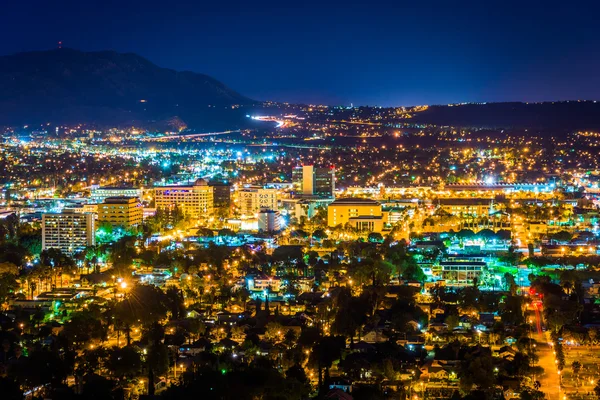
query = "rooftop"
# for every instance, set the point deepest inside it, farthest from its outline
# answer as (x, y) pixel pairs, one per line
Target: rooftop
(355, 200)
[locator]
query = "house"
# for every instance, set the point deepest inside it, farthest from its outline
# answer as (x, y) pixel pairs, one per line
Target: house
(507, 353)
(363, 347)
(341, 384)
(375, 336)
(195, 348)
(438, 326)
(487, 319)
(435, 371)
(510, 340)
(226, 317)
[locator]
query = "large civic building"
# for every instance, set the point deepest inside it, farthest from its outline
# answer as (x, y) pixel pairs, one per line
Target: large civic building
(361, 214)
(121, 211)
(69, 232)
(194, 200)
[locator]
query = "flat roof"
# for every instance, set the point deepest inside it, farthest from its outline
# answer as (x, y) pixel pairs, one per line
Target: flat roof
(355, 200)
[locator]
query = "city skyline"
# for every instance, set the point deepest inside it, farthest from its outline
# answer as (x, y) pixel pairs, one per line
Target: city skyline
(191, 209)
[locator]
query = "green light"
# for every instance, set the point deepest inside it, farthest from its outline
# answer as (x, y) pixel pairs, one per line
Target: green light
(223, 371)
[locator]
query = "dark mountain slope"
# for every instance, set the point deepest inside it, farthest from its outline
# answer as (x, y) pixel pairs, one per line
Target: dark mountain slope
(551, 116)
(107, 87)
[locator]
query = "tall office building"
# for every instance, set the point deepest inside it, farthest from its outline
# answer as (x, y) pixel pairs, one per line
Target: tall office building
(221, 194)
(308, 180)
(194, 200)
(315, 181)
(70, 232)
(254, 199)
(121, 211)
(324, 182)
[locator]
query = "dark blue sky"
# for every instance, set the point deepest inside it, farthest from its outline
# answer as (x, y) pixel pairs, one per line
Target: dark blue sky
(367, 52)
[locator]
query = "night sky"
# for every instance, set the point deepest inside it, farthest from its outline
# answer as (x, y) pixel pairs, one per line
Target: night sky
(368, 52)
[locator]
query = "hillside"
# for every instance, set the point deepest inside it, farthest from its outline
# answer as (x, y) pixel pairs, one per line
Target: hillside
(550, 116)
(70, 86)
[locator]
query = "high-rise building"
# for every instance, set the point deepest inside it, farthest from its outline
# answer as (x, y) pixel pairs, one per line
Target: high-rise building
(194, 200)
(254, 199)
(324, 182)
(99, 194)
(221, 194)
(308, 180)
(314, 181)
(70, 232)
(269, 221)
(297, 177)
(121, 211)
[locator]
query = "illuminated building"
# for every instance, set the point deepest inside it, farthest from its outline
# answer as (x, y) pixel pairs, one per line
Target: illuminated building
(253, 200)
(315, 181)
(361, 214)
(466, 207)
(99, 194)
(221, 194)
(324, 179)
(68, 231)
(269, 221)
(263, 283)
(308, 181)
(195, 201)
(121, 211)
(461, 273)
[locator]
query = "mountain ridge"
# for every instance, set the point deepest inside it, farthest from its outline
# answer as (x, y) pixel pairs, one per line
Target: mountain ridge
(106, 87)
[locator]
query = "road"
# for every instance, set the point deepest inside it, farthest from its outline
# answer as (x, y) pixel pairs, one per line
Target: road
(550, 381)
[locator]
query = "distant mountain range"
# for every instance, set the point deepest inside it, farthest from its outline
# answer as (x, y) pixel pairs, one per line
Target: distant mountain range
(548, 116)
(107, 88)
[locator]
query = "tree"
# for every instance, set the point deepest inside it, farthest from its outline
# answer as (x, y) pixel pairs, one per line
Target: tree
(509, 283)
(597, 390)
(297, 372)
(530, 249)
(576, 366)
(57, 262)
(158, 358)
(511, 310)
(562, 236)
(325, 352)
(274, 332)
(175, 302)
(593, 335)
(375, 237)
(124, 362)
(8, 286)
(144, 304)
(83, 327)
(32, 243)
(97, 387)
(452, 322)
(477, 370)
